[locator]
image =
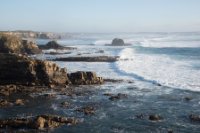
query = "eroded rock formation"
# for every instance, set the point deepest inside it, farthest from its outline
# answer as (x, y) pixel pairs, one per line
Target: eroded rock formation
(16, 69)
(14, 44)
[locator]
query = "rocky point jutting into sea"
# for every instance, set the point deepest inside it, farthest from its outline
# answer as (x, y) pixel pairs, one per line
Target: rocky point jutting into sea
(23, 75)
(126, 82)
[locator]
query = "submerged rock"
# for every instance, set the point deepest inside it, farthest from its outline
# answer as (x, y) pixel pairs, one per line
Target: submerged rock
(65, 104)
(195, 118)
(89, 110)
(118, 96)
(54, 45)
(84, 78)
(14, 44)
(21, 70)
(37, 122)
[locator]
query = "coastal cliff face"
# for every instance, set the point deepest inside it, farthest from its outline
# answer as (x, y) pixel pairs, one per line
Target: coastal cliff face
(14, 44)
(22, 70)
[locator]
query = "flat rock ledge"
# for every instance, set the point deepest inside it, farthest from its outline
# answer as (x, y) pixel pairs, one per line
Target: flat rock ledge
(89, 59)
(37, 122)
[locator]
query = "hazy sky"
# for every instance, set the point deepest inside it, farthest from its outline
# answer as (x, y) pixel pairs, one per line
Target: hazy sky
(100, 15)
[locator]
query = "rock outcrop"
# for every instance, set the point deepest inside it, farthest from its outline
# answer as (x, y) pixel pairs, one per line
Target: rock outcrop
(14, 44)
(22, 70)
(84, 78)
(37, 122)
(118, 42)
(54, 45)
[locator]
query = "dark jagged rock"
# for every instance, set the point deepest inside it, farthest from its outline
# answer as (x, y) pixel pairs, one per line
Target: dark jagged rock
(37, 122)
(84, 78)
(118, 96)
(65, 104)
(155, 117)
(89, 59)
(21, 70)
(14, 44)
(89, 110)
(118, 42)
(188, 98)
(54, 45)
(195, 118)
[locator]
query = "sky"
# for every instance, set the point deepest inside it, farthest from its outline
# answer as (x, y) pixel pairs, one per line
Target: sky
(100, 15)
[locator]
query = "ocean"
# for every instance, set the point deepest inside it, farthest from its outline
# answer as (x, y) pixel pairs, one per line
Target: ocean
(165, 68)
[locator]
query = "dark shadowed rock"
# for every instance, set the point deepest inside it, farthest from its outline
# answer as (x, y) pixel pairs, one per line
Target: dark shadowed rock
(5, 103)
(54, 45)
(195, 118)
(37, 122)
(14, 44)
(155, 117)
(88, 110)
(118, 42)
(118, 96)
(84, 78)
(26, 71)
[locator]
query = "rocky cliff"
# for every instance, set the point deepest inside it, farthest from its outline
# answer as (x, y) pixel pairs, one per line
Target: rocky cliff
(14, 44)
(22, 70)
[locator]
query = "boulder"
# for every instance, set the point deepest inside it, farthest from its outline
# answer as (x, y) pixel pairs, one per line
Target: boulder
(155, 117)
(14, 44)
(84, 78)
(22, 70)
(54, 45)
(118, 42)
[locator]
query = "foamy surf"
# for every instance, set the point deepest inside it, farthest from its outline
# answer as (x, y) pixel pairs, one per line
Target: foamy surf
(159, 69)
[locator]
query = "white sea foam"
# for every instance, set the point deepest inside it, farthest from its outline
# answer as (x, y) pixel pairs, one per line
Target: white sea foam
(160, 69)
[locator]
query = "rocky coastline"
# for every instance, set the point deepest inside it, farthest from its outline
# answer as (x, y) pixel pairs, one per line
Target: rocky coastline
(22, 75)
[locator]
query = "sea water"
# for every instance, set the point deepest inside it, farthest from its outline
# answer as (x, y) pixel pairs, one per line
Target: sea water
(165, 68)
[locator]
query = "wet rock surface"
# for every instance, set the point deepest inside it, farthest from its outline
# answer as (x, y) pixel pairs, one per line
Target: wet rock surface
(14, 44)
(88, 110)
(118, 97)
(155, 117)
(54, 45)
(89, 59)
(37, 122)
(84, 78)
(194, 118)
